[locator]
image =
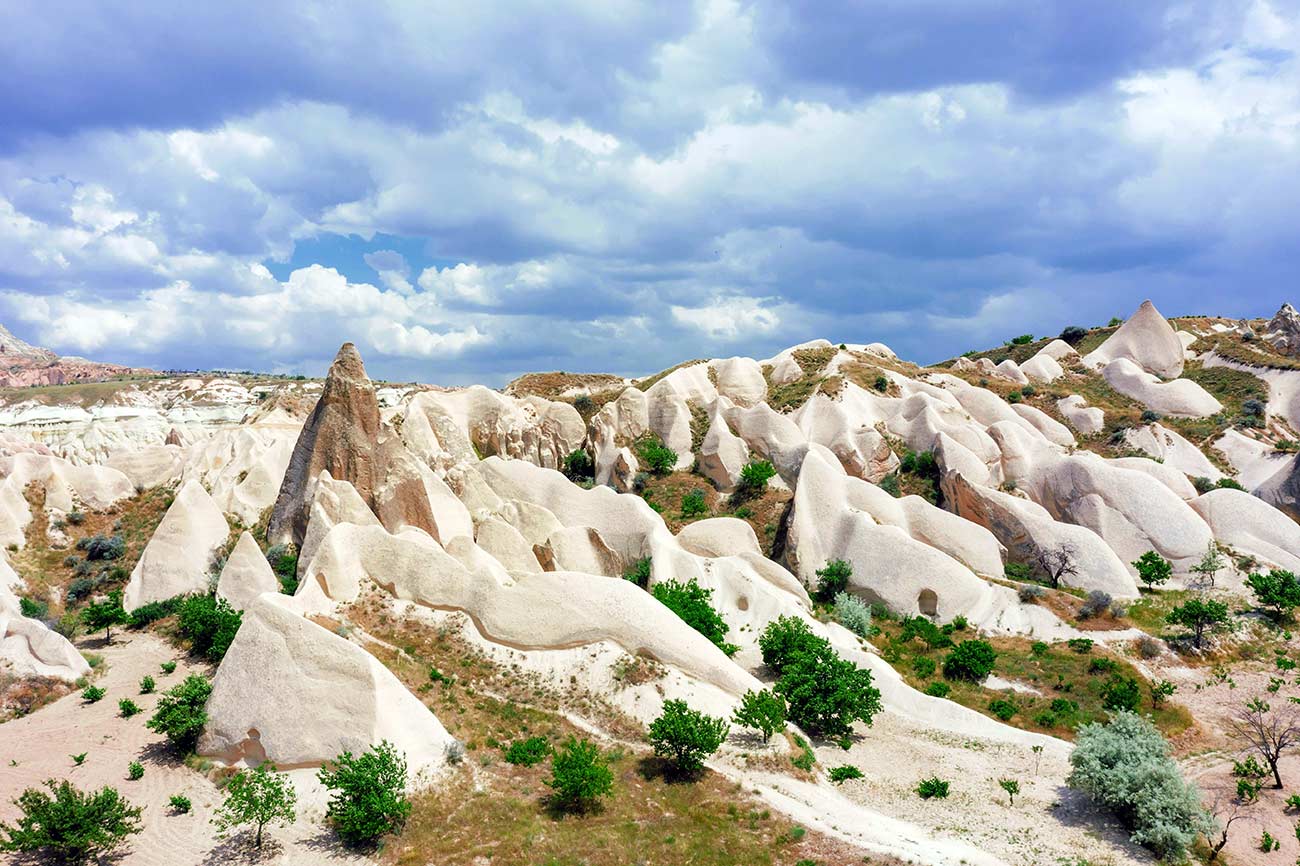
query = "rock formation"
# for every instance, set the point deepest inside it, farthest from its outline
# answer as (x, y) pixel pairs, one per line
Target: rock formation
(179, 557)
(246, 574)
(1147, 340)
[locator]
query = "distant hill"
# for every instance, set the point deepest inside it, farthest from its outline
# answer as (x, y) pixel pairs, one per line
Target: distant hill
(23, 365)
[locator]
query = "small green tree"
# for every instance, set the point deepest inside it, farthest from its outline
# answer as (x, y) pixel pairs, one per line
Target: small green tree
(180, 714)
(693, 604)
(971, 660)
(70, 826)
(258, 797)
(833, 578)
(1210, 565)
(694, 504)
(783, 638)
(655, 455)
(367, 793)
(685, 736)
(1278, 590)
(1012, 787)
(147, 685)
(763, 710)
(210, 624)
(580, 776)
(1121, 693)
(105, 614)
(826, 694)
(1153, 569)
(754, 476)
(1199, 615)
(578, 465)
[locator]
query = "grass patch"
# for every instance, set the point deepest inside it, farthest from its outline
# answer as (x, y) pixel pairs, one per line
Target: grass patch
(1071, 685)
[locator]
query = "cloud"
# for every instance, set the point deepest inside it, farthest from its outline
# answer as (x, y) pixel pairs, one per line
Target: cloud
(622, 185)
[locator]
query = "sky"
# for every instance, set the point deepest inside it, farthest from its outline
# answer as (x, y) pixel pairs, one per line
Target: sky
(470, 191)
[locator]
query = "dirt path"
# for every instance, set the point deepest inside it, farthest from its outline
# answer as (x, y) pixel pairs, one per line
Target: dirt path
(41, 745)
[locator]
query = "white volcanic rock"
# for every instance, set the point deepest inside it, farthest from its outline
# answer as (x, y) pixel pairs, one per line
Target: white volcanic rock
(507, 545)
(617, 425)
(242, 467)
(150, 466)
(740, 380)
(66, 487)
(291, 692)
(1170, 476)
(580, 548)
(952, 455)
(888, 564)
(1180, 397)
(535, 523)
(719, 536)
(1051, 429)
(842, 426)
(1131, 511)
(772, 435)
(1058, 350)
(785, 369)
(1025, 528)
(29, 648)
(1043, 368)
(1146, 340)
(246, 574)
(1082, 417)
(722, 453)
(1009, 369)
(333, 502)
(1172, 449)
(529, 428)
(542, 610)
(1251, 526)
(668, 414)
(177, 559)
(1283, 330)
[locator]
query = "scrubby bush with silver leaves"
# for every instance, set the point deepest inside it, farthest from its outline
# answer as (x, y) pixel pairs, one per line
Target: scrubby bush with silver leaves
(853, 613)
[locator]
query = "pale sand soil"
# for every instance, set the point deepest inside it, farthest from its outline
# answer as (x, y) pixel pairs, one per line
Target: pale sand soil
(42, 743)
(1049, 824)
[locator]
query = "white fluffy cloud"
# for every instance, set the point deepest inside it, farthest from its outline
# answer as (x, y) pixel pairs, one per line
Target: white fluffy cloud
(646, 182)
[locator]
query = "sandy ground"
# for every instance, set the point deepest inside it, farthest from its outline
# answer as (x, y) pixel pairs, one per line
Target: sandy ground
(41, 745)
(1049, 824)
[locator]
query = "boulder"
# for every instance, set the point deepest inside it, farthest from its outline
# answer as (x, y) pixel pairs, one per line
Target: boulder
(722, 453)
(580, 548)
(1252, 526)
(719, 536)
(178, 558)
(739, 380)
(1146, 340)
(294, 693)
(1082, 417)
(1051, 429)
(246, 574)
(1043, 368)
(1172, 450)
(28, 647)
(1180, 397)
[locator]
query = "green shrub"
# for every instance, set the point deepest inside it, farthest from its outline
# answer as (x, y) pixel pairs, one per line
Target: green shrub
(970, 660)
(70, 826)
(102, 547)
(694, 504)
(807, 758)
(135, 771)
(1121, 693)
(685, 737)
(257, 797)
(283, 559)
(180, 714)
(154, 611)
(783, 638)
(1277, 590)
(639, 572)
(580, 776)
(104, 614)
(578, 465)
(147, 685)
(654, 455)
(33, 609)
(1063, 705)
(1102, 666)
(853, 613)
(1003, 709)
(762, 710)
(932, 635)
(1201, 616)
(1021, 340)
(1073, 334)
(833, 579)
(1153, 569)
(1012, 787)
(1018, 572)
(1046, 719)
(754, 476)
(180, 803)
(1039, 648)
(168, 667)
(128, 708)
(209, 623)
(826, 694)
(938, 689)
(933, 787)
(889, 484)
(960, 623)
(93, 694)
(526, 753)
(881, 384)
(1081, 645)
(691, 602)
(923, 667)
(367, 794)
(844, 773)
(1124, 764)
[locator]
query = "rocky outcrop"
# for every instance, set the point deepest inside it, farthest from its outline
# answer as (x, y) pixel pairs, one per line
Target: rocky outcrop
(28, 647)
(1082, 417)
(1283, 330)
(292, 692)
(246, 574)
(178, 558)
(1146, 340)
(1180, 397)
(1251, 526)
(1172, 450)
(344, 437)
(722, 453)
